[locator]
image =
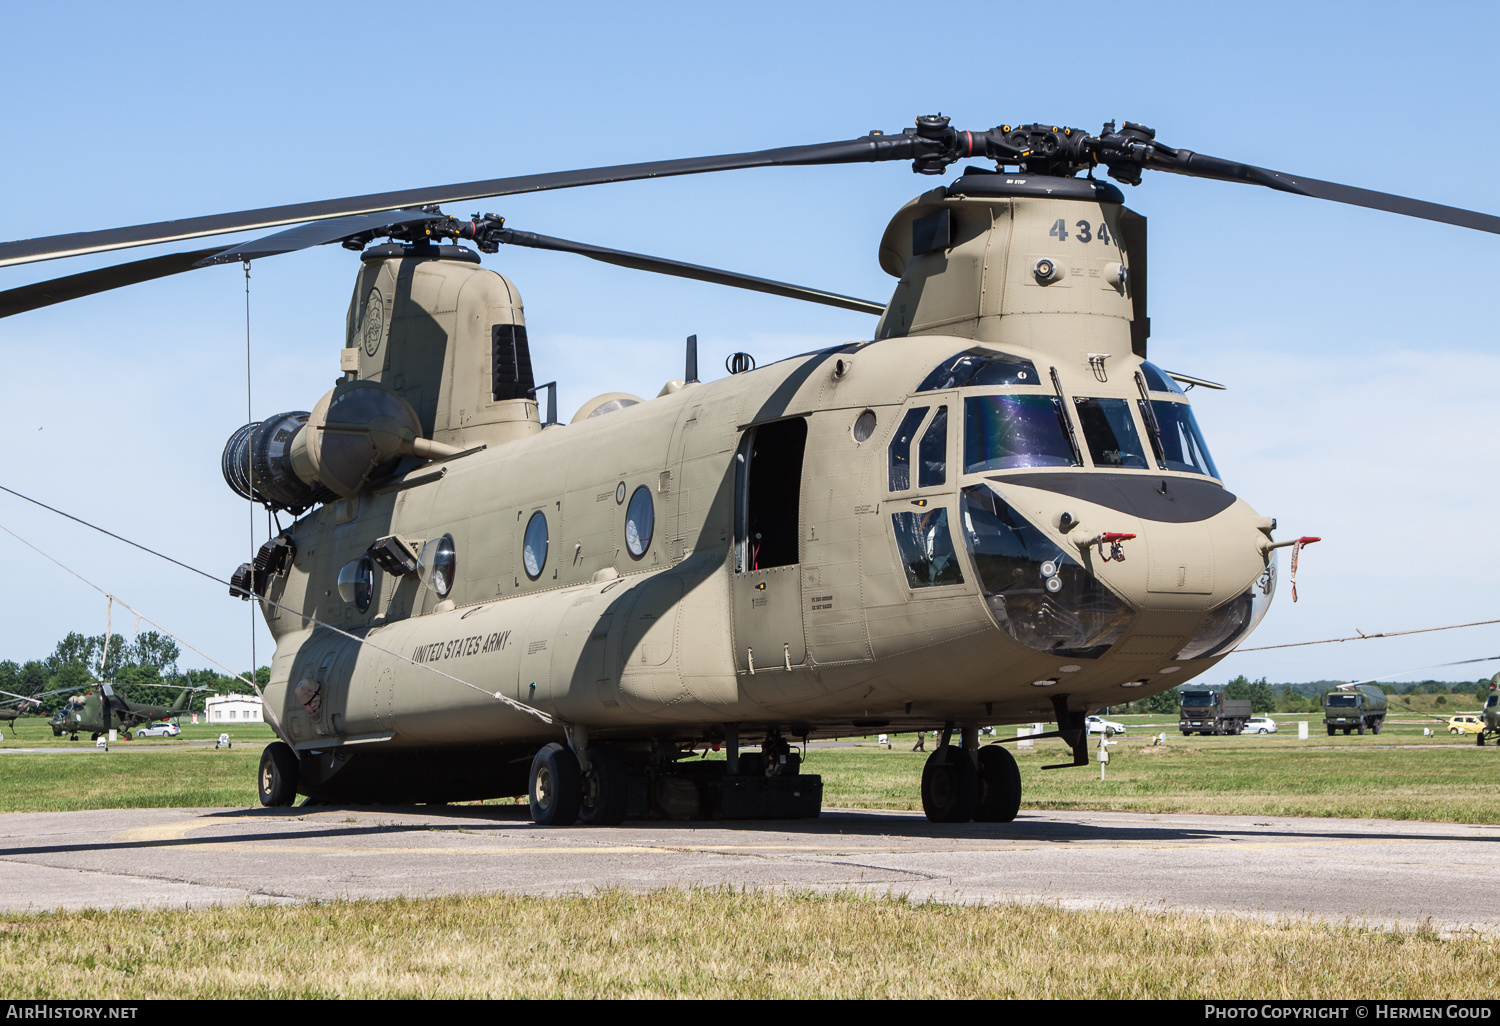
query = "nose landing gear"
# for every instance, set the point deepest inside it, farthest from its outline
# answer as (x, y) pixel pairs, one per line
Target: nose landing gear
(966, 783)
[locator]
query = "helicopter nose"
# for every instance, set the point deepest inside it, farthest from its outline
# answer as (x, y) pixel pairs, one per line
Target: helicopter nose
(1070, 565)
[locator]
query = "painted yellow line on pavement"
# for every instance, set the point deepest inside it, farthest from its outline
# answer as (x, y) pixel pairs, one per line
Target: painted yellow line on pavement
(162, 832)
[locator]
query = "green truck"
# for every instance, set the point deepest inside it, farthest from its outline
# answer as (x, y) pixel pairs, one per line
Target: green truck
(1358, 707)
(1209, 712)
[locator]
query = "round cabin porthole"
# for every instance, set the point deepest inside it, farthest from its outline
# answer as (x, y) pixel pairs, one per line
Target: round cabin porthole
(437, 565)
(619, 493)
(357, 583)
(640, 521)
(864, 426)
(534, 548)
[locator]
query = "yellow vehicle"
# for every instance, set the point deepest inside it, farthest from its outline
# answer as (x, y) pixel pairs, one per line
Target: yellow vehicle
(1465, 723)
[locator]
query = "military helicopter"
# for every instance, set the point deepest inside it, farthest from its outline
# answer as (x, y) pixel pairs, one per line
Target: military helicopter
(16, 706)
(995, 510)
(102, 710)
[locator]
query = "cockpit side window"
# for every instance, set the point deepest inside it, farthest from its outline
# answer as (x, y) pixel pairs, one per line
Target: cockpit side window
(1110, 433)
(1182, 445)
(926, 547)
(932, 454)
(980, 367)
(899, 477)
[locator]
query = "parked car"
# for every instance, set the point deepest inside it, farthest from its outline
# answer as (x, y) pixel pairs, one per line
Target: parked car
(1099, 725)
(1465, 723)
(1260, 725)
(159, 730)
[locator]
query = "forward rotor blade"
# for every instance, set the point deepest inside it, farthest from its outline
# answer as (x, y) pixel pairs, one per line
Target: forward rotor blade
(76, 286)
(1198, 165)
(24, 251)
(658, 265)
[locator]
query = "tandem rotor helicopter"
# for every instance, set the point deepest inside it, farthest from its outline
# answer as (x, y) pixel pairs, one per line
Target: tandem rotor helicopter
(995, 510)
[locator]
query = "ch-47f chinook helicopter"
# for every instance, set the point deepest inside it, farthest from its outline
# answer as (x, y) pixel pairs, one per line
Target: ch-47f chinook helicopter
(996, 510)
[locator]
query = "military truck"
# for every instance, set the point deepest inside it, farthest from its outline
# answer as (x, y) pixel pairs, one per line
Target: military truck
(1354, 707)
(1209, 712)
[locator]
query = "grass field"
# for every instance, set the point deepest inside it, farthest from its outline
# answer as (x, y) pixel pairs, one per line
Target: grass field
(1398, 775)
(719, 943)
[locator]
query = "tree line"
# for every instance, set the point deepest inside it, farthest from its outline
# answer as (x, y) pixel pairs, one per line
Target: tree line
(142, 670)
(1266, 697)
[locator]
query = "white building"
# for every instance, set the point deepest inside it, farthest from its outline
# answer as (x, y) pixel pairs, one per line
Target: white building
(233, 709)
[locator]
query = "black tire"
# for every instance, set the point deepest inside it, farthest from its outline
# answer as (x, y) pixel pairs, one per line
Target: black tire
(1479, 739)
(999, 796)
(128, 736)
(279, 772)
(605, 794)
(556, 787)
(1330, 732)
(1375, 727)
(950, 786)
(1346, 731)
(1361, 728)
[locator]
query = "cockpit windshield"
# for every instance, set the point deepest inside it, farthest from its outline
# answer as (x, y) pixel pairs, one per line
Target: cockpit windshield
(1110, 433)
(1002, 432)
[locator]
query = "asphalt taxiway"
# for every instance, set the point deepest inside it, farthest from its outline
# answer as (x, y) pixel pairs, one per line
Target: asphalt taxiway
(1373, 872)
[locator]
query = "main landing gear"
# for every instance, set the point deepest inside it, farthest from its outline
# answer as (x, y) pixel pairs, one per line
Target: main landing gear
(966, 783)
(604, 784)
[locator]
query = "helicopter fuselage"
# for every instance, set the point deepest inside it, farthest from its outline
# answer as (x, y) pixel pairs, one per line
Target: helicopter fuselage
(994, 503)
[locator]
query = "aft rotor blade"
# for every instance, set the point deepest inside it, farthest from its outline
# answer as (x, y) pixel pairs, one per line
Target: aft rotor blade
(659, 265)
(1198, 165)
(76, 286)
(317, 234)
(24, 251)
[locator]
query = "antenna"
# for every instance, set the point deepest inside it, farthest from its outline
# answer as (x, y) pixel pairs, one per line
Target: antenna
(551, 388)
(690, 375)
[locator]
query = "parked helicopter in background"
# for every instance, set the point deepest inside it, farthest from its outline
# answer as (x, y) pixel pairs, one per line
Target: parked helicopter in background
(102, 709)
(994, 510)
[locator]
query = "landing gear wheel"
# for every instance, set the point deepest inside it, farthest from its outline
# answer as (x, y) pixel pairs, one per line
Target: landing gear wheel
(605, 794)
(1479, 739)
(279, 771)
(950, 786)
(95, 736)
(556, 787)
(128, 736)
(999, 786)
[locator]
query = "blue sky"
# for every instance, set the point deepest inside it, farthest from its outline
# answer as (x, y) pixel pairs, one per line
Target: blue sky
(1360, 348)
